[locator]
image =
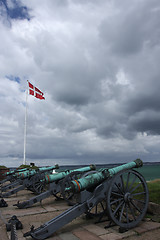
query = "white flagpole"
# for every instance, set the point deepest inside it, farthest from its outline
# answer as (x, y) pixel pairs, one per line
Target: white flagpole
(25, 127)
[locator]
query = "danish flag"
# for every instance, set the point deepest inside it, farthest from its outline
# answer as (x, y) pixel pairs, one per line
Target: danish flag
(34, 91)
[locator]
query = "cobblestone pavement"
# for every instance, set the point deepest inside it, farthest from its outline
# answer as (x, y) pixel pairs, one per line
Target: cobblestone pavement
(79, 229)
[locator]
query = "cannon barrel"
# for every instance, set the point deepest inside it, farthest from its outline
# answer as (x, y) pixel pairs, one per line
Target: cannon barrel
(25, 174)
(12, 175)
(19, 174)
(29, 173)
(15, 171)
(9, 173)
(44, 169)
(49, 178)
(97, 178)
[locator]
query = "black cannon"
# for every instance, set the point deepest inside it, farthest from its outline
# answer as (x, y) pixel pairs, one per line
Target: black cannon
(56, 183)
(121, 193)
(27, 179)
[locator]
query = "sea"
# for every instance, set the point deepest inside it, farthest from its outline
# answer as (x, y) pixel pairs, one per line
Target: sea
(150, 171)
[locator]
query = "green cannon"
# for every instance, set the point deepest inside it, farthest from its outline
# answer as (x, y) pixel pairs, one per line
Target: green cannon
(14, 178)
(121, 193)
(27, 178)
(15, 171)
(27, 173)
(58, 176)
(56, 183)
(96, 178)
(10, 175)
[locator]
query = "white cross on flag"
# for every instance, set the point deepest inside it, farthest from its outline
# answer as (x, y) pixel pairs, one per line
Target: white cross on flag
(35, 91)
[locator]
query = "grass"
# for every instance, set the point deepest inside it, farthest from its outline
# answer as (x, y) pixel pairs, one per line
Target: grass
(2, 167)
(28, 166)
(154, 191)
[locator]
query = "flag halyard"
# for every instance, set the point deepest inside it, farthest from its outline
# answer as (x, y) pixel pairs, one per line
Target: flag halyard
(34, 91)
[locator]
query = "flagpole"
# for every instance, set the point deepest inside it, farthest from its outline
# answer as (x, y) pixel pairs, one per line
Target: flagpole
(25, 127)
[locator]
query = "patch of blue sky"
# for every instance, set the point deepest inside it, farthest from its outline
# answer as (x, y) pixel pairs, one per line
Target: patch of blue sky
(14, 78)
(13, 9)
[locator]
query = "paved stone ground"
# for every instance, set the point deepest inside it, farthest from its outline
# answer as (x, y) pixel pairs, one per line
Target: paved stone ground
(79, 229)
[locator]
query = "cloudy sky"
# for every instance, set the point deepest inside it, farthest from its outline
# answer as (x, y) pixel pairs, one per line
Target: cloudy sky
(98, 64)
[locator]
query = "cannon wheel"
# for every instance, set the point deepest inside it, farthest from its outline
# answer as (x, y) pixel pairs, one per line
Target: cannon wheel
(58, 195)
(12, 179)
(69, 196)
(37, 186)
(99, 210)
(127, 199)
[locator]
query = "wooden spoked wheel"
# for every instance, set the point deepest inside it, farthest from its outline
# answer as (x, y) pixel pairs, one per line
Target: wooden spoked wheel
(127, 199)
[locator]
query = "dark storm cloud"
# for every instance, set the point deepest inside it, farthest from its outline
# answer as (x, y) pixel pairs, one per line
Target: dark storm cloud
(143, 102)
(127, 31)
(73, 96)
(146, 122)
(132, 39)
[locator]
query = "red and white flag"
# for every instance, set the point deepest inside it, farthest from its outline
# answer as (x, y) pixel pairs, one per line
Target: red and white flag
(35, 91)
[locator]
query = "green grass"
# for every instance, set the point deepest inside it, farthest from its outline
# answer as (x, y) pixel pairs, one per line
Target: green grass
(154, 191)
(2, 167)
(28, 166)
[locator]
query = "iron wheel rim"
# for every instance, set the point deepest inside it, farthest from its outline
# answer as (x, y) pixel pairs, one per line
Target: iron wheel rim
(127, 198)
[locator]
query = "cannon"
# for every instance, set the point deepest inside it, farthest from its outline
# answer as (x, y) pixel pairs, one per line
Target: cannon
(26, 179)
(10, 175)
(15, 171)
(56, 182)
(18, 177)
(15, 179)
(121, 193)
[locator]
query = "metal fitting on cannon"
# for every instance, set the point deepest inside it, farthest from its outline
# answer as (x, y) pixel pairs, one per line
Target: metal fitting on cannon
(93, 167)
(138, 162)
(56, 166)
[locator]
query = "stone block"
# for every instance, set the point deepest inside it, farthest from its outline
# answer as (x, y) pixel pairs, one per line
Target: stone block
(68, 236)
(110, 236)
(96, 229)
(153, 208)
(85, 235)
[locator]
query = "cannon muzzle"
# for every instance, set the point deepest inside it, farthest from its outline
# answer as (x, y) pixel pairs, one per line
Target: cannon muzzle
(139, 163)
